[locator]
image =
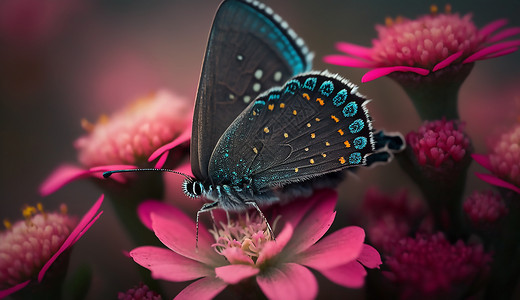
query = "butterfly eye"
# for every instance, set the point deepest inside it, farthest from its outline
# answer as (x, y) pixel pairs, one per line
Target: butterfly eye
(192, 189)
(198, 188)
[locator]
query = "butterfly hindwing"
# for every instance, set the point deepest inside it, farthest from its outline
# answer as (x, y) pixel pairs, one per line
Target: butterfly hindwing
(250, 50)
(315, 124)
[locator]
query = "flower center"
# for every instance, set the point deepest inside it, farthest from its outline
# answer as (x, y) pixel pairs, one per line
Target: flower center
(425, 41)
(28, 244)
(131, 135)
(505, 158)
(248, 234)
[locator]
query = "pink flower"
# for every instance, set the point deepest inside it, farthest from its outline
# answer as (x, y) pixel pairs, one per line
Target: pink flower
(503, 161)
(439, 144)
(150, 128)
(239, 249)
(427, 44)
(30, 247)
(140, 292)
(430, 267)
(389, 218)
(484, 207)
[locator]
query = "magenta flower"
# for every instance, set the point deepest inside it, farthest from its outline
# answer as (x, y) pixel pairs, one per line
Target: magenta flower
(148, 129)
(484, 207)
(503, 161)
(243, 248)
(439, 144)
(432, 268)
(427, 44)
(30, 247)
(389, 218)
(140, 292)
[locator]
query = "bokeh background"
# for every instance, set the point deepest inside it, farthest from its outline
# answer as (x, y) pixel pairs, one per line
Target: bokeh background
(64, 60)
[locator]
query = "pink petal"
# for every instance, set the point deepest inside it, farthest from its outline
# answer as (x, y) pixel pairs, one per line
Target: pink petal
(203, 289)
(290, 281)
(501, 53)
(185, 169)
(492, 27)
(84, 224)
(355, 50)
(179, 236)
(13, 289)
(347, 61)
(294, 211)
(168, 265)
(338, 248)
(446, 62)
(316, 223)
(369, 257)
(273, 248)
(181, 139)
(504, 34)
(60, 177)
(147, 207)
(351, 275)
(482, 160)
(233, 274)
(380, 72)
(493, 180)
(482, 53)
(162, 160)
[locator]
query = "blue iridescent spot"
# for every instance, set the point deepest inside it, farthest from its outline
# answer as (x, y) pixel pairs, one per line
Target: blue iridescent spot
(350, 109)
(310, 83)
(354, 158)
(326, 88)
(292, 86)
(259, 102)
(356, 126)
(340, 97)
(360, 142)
(273, 97)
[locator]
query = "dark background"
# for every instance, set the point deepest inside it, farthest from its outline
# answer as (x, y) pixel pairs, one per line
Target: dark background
(68, 60)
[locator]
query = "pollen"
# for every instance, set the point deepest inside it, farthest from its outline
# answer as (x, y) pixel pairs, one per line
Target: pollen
(313, 135)
(306, 96)
(342, 160)
(333, 117)
(271, 107)
(7, 224)
(320, 101)
(266, 129)
(341, 132)
(434, 9)
(347, 144)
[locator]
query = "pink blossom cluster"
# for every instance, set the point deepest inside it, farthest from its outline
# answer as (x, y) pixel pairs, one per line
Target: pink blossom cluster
(439, 143)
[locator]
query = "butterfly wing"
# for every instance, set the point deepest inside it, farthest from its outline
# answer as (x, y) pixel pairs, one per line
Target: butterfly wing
(250, 50)
(314, 125)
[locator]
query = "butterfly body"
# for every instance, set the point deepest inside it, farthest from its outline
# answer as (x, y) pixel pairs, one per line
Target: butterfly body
(314, 125)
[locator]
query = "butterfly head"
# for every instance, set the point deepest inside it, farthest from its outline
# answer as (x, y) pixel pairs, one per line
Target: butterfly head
(192, 188)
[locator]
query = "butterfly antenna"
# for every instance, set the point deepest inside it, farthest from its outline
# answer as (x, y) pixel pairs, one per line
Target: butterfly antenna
(108, 173)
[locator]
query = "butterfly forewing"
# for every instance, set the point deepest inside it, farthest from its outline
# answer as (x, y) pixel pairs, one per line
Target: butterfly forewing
(250, 50)
(315, 124)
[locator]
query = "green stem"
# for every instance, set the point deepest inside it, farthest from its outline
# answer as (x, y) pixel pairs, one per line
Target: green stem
(442, 189)
(505, 269)
(435, 95)
(125, 200)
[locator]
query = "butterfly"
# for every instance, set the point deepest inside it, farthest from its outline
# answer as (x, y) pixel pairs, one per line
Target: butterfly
(265, 127)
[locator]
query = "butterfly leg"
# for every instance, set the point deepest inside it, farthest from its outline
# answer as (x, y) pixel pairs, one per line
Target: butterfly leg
(206, 207)
(253, 204)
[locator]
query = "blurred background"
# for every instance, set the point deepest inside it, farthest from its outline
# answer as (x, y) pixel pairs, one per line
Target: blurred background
(64, 60)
